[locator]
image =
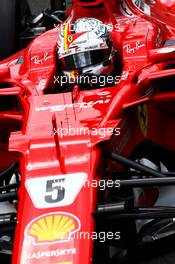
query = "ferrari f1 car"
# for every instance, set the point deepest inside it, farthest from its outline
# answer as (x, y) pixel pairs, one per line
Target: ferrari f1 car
(87, 173)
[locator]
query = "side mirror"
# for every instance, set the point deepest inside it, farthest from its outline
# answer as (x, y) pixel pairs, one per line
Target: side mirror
(162, 54)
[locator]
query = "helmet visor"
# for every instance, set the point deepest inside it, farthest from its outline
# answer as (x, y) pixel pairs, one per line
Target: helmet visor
(84, 59)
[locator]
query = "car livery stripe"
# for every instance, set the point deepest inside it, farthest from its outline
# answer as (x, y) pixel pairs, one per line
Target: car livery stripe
(65, 36)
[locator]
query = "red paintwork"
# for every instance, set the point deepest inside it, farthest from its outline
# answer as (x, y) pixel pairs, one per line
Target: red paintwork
(31, 140)
(161, 11)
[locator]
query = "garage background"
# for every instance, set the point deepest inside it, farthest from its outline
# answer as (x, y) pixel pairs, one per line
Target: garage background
(38, 5)
(158, 254)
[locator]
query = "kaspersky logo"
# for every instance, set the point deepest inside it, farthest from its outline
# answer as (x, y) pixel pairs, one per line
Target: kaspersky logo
(53, 228)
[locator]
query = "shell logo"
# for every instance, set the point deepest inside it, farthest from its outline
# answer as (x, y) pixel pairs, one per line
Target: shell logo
(53, 228)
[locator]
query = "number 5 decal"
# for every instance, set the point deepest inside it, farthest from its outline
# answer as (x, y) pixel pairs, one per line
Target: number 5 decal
(55, 191)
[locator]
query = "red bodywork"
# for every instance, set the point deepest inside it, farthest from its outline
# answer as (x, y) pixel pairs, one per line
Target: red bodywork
(26, 130)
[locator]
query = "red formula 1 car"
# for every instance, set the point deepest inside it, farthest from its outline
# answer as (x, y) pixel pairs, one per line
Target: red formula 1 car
(87, 173)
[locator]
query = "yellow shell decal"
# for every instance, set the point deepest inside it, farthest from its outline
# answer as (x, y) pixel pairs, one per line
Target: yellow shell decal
(53, 228)
(143, 119)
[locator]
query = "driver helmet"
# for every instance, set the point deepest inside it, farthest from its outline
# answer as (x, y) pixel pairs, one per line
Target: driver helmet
(84, 48)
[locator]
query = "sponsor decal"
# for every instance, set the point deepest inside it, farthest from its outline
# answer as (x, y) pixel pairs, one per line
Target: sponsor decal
(66, 53)
(84, 105)
(143, 118)
(55, 191)
(79, 42)
(52, 253)
(40, 59)
(133, 48)
(92, 47)
(52, 228)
